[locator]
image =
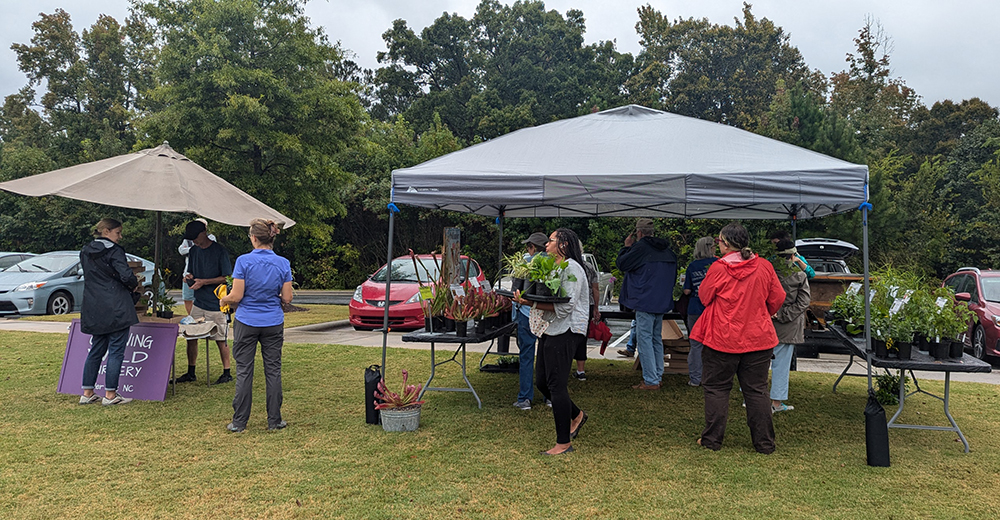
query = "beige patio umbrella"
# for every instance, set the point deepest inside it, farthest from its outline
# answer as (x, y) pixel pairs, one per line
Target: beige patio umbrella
(156, 179)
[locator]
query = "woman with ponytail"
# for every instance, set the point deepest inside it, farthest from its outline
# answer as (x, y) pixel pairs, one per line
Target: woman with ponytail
(262, 281)
(740, 292)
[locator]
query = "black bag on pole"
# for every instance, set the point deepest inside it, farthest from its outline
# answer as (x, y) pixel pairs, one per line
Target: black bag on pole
(372, 377)
(876, 432)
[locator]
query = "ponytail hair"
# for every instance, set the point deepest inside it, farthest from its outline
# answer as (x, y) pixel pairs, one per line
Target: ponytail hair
(737, 237)
(264, 230)
(105, 224)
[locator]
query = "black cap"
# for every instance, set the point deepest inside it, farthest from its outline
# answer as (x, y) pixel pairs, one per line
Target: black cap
(193, 229)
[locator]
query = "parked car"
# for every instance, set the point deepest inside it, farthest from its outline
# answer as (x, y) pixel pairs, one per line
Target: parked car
(367, 307)
(826, 255)
(51, 283)
(981, 288)
(8, 259)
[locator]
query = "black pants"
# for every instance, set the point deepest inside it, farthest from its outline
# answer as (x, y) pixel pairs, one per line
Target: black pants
(718, 369)
(244, 351)
(555, 354)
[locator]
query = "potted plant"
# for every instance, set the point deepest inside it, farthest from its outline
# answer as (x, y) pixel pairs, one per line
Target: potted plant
(545, 272)
(901, 336)
(399, 412)
(165, 305)
(517, 266)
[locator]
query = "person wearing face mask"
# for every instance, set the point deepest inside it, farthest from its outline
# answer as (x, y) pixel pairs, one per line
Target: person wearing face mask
(534, 244)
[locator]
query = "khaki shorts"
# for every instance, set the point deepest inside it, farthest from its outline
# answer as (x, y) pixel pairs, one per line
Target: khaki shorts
(217, 317)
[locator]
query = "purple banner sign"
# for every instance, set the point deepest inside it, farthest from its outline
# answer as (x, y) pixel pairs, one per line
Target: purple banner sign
(145, 369)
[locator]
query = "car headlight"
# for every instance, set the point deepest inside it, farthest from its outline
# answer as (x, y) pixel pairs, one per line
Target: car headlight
(357, 295)
(996, 320)
(30, 286)
(414, 299)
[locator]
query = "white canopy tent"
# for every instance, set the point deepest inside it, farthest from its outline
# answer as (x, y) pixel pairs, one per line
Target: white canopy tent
(634, 161)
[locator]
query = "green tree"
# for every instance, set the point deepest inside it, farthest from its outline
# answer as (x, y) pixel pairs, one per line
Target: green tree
(714, 72)
(878, 106)
(506, 68)
(248, 90)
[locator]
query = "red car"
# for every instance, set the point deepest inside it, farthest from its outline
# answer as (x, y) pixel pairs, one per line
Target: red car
(367, 308)
(983, 290)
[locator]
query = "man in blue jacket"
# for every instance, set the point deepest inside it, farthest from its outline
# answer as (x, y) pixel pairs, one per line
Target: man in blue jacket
(650, 269)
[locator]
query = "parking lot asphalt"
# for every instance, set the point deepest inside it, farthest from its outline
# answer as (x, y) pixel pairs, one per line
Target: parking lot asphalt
(341, 333)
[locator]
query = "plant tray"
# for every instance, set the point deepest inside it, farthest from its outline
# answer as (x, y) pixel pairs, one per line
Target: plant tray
(504, 292)
(545, 299)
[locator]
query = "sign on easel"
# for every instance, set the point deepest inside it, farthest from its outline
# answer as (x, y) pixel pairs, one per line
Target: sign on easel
(145, 368)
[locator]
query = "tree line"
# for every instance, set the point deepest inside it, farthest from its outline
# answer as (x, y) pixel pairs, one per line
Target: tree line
(255, 93)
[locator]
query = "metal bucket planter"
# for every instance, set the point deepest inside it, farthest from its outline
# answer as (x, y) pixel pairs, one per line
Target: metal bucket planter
(400, 420)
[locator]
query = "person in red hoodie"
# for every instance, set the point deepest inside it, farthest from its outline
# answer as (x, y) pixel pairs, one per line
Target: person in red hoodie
(740, 292)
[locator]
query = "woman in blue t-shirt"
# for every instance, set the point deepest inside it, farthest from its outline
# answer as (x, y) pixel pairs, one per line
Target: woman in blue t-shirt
(262, 281)
(704, 255)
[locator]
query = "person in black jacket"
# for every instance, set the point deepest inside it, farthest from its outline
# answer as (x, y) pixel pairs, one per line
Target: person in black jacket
(108, 309)
(650, 268)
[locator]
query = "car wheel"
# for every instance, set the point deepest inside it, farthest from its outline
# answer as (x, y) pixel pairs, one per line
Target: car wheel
(60, 303)
(979, 342)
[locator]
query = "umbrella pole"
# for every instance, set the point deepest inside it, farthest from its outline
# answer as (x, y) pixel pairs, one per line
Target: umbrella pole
(156, 261)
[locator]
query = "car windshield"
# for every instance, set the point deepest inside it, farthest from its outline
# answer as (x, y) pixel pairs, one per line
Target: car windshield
(44, 264)
(991, 289)
(426, 271)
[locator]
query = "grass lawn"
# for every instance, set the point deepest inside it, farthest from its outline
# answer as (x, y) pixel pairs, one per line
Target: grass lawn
(635, 458)
(314, 314)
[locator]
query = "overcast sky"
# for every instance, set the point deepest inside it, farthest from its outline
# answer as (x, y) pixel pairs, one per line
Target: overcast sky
(943, 50)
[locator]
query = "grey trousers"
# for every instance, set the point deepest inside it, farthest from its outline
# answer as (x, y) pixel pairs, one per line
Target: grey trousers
(244, 351)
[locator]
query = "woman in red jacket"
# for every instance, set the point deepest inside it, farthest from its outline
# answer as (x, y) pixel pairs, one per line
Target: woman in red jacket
(740, 293)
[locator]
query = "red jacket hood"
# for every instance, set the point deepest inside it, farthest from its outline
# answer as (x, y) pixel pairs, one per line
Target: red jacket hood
(737, 267)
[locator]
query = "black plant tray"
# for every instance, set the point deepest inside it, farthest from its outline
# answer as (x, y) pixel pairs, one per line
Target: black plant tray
(545, 299)
(504, 292)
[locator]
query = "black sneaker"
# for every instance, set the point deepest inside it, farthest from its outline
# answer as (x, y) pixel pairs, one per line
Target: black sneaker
(224, 378)
(582, 376)
(280, 426)
(186, 378)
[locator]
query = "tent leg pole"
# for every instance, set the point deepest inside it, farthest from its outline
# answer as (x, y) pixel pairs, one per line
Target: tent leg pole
(500, 249)
(388, 283)
(868, 310)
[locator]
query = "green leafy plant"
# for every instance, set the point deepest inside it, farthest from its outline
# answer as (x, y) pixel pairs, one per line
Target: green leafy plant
(516, 265)
(545, 269)
(406, 398)
(887, 388)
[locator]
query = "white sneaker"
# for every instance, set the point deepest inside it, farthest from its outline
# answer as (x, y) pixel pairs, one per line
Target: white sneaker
(117, 400)
(782, 408)
(94, 399)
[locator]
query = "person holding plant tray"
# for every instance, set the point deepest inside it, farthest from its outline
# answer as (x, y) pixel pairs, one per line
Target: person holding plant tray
(561, 327)
(789, 321)
(740, 293)
(262, 281)
(534, 244)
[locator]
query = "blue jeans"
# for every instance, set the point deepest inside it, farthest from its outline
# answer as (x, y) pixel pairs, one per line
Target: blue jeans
(694, 356)
(526, 354)
(780, 366)
(630, 346)
(114, 345)
(649, 344)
